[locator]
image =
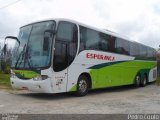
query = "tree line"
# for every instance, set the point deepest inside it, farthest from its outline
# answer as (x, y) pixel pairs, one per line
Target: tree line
(5, 59)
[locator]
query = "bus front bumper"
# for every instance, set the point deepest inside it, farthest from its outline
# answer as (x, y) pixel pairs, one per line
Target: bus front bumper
(43, 86)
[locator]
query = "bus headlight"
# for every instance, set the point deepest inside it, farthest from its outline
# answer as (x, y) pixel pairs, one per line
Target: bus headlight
(13, 75)
(41, 77)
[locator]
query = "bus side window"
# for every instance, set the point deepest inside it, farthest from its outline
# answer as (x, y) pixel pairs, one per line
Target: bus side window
(89, 39)
(151, 54)
(104, 42)
(112, 43)
(122, 46)
(134, 49)
(82, 38)
(92, 42)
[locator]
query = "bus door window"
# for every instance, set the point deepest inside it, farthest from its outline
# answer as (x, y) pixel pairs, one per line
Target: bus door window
(67, 38)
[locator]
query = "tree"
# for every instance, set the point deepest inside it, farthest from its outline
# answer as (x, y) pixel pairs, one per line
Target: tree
(0, 63)
(158, 61)
(5, 59)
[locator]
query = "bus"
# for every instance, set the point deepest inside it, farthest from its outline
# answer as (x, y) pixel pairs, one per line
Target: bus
(62, 55)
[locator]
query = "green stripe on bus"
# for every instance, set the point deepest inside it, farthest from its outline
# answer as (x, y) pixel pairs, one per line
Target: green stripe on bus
(119, 74)
(105, 64)
(74, 88)
(26, 74)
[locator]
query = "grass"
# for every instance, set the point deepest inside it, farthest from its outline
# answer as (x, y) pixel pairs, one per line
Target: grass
(5, 80)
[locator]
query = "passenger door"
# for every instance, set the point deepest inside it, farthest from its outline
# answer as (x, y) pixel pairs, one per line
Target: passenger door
(60, 64)
(64, 53)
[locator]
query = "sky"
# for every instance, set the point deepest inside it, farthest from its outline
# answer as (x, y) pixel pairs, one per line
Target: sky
(138, 20)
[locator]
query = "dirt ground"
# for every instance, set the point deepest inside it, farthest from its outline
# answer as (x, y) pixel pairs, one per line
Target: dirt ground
(126, 99)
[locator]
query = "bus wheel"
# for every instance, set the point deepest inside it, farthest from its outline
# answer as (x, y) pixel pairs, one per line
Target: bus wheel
(137, 80)
(144, 81)
(82, 86)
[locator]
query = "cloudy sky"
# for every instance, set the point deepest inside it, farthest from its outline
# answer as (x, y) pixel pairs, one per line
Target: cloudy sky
(138, 20)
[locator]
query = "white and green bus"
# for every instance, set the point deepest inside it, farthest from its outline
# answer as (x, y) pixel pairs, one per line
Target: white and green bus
(62, 55)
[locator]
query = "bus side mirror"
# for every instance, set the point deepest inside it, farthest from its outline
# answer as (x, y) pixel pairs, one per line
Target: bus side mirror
(5, 49)
(47, 35)
(5, 44)
(11, 37)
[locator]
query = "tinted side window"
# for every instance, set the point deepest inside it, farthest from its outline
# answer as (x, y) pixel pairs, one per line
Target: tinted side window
(151, 53)
(143, 51)
(89, 39)
(134, 49)
(105, 41)
(122, 46)
(94, 40)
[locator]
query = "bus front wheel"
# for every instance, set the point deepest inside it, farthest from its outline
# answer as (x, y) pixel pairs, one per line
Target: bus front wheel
(82, 86)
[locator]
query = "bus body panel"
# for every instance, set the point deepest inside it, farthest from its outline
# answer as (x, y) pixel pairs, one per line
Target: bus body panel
(105, 68)
(152, 74)
(105, 73)
(58, 79)
(31, 85)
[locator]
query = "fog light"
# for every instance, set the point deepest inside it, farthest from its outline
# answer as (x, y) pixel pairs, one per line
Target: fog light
(41, 77)
(44, 77)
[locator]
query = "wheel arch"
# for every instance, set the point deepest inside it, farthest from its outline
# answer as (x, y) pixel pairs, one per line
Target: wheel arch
(144, 74)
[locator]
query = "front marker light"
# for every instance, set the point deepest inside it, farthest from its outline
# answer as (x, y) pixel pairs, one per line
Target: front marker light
(37, 78)
(41, 77)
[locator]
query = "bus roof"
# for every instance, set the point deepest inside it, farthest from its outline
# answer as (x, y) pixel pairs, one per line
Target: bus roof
(91, 27)
(82, 24)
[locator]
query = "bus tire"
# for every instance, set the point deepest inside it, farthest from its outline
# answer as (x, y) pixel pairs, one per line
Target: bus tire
(144, 81)
(82, 86)
(137, 80)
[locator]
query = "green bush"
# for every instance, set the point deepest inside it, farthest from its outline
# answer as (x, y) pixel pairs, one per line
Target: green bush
(5, 80)
(158, 80)
(7, 70)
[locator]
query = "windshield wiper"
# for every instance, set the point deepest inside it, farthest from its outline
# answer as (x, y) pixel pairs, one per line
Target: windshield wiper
(21, 54)
(25, 57)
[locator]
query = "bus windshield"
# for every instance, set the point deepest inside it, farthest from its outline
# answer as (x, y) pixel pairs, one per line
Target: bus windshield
(31, 52)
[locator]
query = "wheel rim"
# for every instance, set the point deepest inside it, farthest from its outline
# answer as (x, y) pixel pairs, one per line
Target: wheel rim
(83, 86)
(138, 80)
(144, 80)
